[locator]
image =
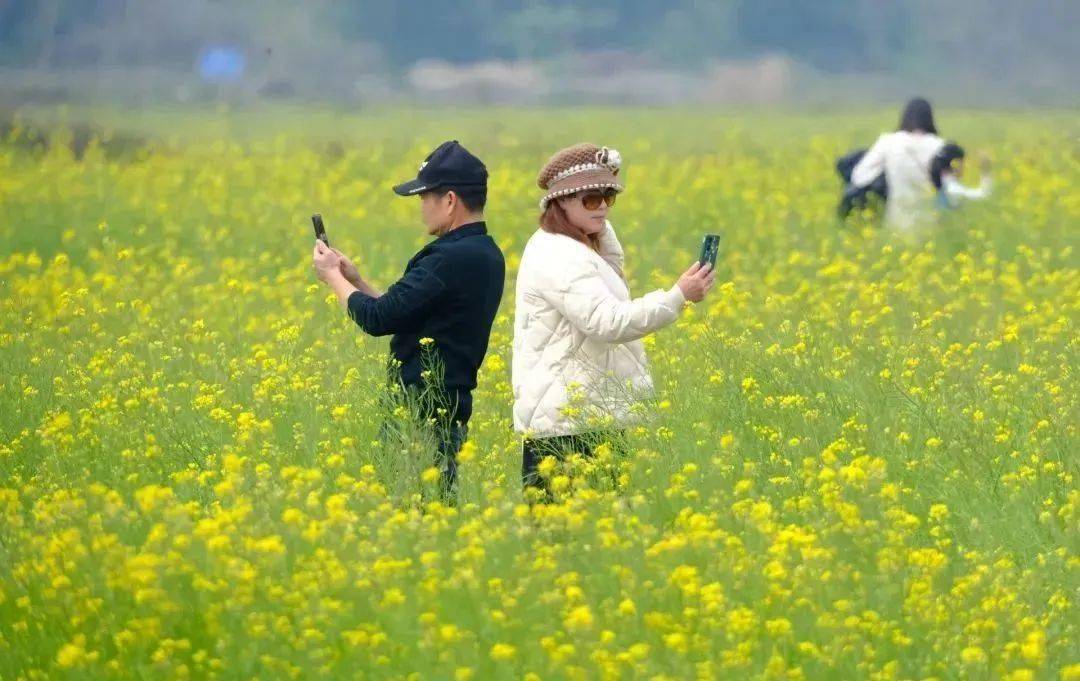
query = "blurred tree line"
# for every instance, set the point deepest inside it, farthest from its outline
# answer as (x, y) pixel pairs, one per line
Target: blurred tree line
(971, 38)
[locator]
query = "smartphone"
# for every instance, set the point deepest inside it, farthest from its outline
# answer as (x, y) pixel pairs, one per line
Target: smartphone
(710, 247)
(320, 230)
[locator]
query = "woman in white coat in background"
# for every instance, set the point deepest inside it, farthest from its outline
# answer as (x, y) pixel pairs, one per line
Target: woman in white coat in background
(912, 160)
(579, 365)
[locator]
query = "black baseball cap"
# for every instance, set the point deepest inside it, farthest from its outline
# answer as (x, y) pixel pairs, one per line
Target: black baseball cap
(450, 166)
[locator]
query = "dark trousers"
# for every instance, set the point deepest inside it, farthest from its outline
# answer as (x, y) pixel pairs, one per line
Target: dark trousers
(449, 439)
(534, 450)
(430, 420)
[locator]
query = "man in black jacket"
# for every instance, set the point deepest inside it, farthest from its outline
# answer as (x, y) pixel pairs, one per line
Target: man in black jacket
(443, 306)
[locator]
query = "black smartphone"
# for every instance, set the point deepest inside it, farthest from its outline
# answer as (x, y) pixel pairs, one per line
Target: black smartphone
(710, 247)
(320, 230)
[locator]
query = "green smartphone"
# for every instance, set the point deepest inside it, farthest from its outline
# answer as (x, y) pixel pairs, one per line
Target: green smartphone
(710, 248)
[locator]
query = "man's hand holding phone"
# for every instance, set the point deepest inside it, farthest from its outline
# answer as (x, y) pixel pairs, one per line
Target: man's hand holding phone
(332, 266)
(326, 261)
(348, 269)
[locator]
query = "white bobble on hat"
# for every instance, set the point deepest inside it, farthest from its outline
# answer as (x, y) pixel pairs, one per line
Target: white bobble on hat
(610, 158)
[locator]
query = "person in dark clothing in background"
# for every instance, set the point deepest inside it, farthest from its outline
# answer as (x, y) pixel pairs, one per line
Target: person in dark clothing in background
(443, 306)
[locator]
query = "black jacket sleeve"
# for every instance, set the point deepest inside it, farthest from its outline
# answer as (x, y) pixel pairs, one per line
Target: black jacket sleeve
(405, 304)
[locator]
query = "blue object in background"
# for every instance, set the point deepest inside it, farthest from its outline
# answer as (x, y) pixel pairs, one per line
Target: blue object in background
(222, 64)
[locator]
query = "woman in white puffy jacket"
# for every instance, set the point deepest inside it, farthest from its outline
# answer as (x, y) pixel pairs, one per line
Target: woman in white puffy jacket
(911, 159)
(579, 365)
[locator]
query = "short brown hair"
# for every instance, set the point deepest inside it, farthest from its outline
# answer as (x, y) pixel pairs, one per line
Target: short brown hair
(555, 220)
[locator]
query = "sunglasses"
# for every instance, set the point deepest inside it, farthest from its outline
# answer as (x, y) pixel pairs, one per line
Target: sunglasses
(592, 200)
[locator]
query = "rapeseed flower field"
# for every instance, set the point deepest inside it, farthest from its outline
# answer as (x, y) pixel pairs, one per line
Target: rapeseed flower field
(861, 460)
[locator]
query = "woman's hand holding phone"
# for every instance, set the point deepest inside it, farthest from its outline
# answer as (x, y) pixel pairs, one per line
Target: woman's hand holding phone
(696, 282)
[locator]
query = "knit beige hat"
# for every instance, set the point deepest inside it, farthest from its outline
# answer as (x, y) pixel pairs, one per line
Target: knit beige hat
(582, 166)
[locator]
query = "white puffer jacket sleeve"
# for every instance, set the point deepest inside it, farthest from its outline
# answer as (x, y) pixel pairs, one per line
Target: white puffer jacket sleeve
(578, 291)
